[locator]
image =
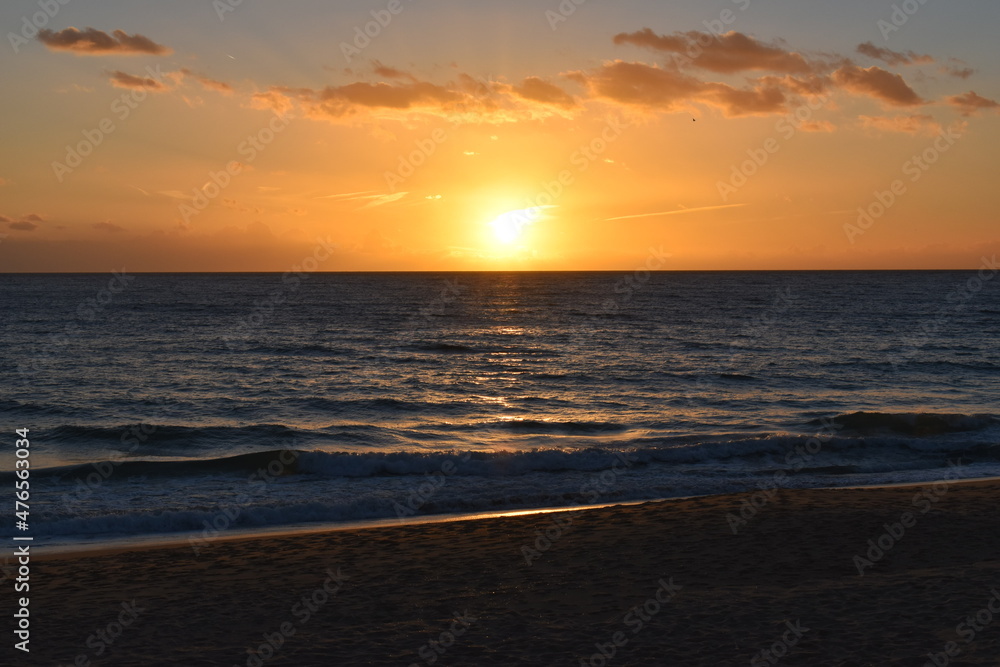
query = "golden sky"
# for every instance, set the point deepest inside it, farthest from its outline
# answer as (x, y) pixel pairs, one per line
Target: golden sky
(447, 135)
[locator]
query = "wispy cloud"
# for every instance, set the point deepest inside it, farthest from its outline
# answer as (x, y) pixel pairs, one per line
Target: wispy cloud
(380, 200)
(891, 57)
(207, 83)
(108, 226)
(348, 196)
(681, 211)
(971, 103)
(128, 81)
(912, 124)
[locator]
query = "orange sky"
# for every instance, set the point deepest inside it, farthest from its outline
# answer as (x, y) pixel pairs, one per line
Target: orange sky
(498, 137)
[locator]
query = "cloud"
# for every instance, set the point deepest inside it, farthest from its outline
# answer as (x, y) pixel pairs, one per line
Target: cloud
(130, 82)
(390, 72)
(380, 200)
(34, 217)
(890, 88)
(639, 84)
(891, 57)
(681, 211)
(971, 103)
(723, 54)
(745, 102)
(912, 124)
(534, 88)
(4, 219)
(466, 99)
(272, 100)
(108, 226)
(93, 42)
(373, 198)
(23, 225)
(957, 68)
(818, 126)
(348, 196)
(958, 72)
(207, 83)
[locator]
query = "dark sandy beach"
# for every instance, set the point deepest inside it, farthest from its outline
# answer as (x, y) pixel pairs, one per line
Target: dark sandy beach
(665, 583)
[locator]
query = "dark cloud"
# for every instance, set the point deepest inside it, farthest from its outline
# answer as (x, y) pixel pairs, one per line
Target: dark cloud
(891, 57)
(390, 72)
(93, 42)
(207, 83)
(534, 88)
(971, 103)
(890, 88)
(128, 81)
(643, 85)
(724, 54)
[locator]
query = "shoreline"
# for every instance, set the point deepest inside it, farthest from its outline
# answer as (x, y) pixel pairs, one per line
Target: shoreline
(670, 579)
(168, 541)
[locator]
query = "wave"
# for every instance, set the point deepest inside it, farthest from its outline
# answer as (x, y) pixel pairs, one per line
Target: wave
(920, 424)
(855, 453)
(146, 437)
(29, 408)
(441, 347)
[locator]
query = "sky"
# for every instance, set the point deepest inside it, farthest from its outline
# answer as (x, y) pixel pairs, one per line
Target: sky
(425, 135)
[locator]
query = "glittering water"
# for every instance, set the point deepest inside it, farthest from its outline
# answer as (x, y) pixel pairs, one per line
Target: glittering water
(157, 402)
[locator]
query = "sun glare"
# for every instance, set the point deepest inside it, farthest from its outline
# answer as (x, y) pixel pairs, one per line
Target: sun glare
(509, 227)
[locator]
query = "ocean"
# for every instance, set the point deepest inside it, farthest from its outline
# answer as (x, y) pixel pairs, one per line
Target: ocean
(195, 406)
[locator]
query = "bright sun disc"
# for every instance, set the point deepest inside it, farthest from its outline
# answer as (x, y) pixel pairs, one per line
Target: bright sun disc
(509, 227)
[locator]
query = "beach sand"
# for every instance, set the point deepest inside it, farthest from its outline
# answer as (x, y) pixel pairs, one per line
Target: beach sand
(787, 582)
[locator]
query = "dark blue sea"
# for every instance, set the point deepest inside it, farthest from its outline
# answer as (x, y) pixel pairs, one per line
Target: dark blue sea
(205, 404)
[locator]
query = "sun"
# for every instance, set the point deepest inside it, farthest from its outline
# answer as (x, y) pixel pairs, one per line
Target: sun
(509, 227)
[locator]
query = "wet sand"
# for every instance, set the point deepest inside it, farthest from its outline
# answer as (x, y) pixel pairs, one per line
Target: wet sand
(664, 583)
